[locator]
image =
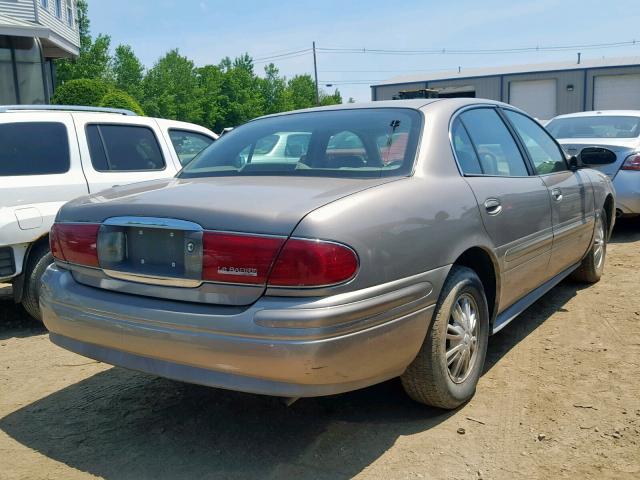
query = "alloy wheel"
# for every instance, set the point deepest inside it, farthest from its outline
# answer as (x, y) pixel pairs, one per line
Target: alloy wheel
(598, 243)
(462, 338)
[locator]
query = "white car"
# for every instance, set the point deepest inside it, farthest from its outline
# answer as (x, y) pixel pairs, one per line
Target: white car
(52, 154)
(615, 130)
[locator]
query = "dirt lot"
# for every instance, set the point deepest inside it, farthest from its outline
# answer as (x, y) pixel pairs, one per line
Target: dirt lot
(560, 398)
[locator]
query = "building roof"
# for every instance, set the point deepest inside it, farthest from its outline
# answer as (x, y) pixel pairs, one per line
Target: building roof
(508, 70)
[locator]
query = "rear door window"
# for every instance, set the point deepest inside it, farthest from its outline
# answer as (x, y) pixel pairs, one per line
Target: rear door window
(38, 148)
(345, 150)
(496, 148)
(465, 153)
(543, 151)
(297, 145)
(188, 144)
(118, 148)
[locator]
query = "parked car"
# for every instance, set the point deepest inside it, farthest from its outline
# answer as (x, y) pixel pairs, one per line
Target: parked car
(616, 130)
(313, 277)
(50, 155)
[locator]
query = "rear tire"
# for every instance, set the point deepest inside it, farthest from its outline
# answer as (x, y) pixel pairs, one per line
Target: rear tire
(592, 266)
(39, 259)
(456, 334)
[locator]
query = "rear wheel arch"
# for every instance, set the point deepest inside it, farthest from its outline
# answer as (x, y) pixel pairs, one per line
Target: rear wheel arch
(484, 264)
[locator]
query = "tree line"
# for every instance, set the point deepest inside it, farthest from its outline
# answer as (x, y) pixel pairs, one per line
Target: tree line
(216, 96)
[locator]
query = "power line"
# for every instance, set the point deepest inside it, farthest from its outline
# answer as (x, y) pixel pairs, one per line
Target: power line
(446, 51)
(286, 54)
(269, 60)
(283, 51)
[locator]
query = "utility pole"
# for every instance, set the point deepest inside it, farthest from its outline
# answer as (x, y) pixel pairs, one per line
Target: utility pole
(315, 72)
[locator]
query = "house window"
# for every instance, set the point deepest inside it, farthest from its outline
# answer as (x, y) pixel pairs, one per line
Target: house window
(59, 8)
(44, 3)
(70, 13)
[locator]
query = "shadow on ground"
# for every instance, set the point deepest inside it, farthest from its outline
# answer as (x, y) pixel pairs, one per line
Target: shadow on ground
(627, 230)
(14, 321)
(123, 424)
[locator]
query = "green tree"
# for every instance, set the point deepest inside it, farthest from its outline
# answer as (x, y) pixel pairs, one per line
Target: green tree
(274, 91)
(210, 79)
(171, 89)
(94, 62)
(334, 99)
(121, 99)
(82, 91)
(240, 96)
(302, 91)
(128, 71)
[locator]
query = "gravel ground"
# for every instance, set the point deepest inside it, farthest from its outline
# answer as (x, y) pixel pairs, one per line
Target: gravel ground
(560, 398)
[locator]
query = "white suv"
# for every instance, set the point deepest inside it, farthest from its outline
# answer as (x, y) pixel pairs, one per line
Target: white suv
(52, 154)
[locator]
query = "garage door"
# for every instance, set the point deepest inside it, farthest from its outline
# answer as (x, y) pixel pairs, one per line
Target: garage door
(536, 97)
(616, 92)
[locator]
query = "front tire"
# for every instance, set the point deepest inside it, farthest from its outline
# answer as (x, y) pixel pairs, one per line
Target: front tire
(592, 266)
(39, 259)
(447, 368)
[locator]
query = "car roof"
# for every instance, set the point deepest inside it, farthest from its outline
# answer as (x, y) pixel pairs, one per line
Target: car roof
(64, 109)
(595, 113)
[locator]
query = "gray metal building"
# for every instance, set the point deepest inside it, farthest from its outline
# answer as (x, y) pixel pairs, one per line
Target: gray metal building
(543, 90)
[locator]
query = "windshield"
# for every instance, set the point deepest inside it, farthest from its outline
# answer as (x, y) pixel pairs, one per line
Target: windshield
(337, 143)
(596, 126)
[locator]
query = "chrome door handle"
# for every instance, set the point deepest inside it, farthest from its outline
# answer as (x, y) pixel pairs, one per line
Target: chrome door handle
(556, 193)
(492, 206)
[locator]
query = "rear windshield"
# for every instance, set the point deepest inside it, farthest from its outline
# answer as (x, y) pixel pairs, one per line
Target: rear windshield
(596, 126)
(339, 143)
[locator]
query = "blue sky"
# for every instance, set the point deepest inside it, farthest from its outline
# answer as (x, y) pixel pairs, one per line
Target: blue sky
(207, 30)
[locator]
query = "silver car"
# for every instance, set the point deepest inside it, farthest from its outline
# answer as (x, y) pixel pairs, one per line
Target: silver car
(400, 237)
(616, 130)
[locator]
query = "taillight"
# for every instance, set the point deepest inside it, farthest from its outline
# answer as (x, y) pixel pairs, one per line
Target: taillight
(313, 263)
(237, 258)
(632, 162)
(75, 243)
(226, 257)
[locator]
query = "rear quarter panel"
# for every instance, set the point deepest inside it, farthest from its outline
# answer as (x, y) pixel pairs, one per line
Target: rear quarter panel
(400, 229)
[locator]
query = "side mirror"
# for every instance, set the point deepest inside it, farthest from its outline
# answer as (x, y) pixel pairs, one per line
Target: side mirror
(575, 163)
(597, 156)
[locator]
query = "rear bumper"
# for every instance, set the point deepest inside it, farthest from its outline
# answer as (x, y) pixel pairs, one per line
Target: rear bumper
(285, 346)
(627, 185)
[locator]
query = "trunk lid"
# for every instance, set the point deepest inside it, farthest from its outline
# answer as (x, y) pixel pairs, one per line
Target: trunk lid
(267, 205)
(621, 147)
(154, 233)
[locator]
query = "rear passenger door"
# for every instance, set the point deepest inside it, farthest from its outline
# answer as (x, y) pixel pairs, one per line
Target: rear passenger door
(122, 150)
(514, 204)
(570, 193)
